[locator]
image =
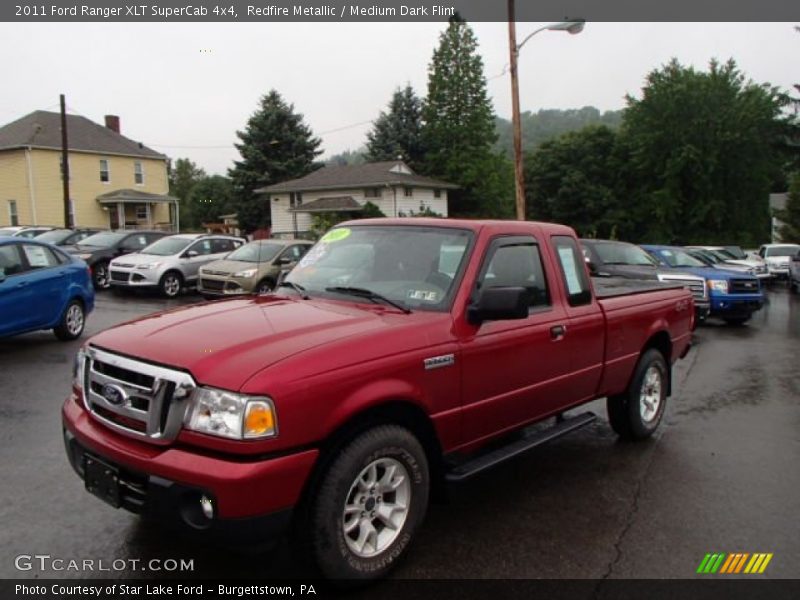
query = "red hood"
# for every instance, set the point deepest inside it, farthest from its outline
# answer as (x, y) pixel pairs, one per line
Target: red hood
(224, 343)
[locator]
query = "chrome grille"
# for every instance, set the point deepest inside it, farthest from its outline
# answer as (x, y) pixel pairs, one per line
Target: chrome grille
(696, 285)
(135, 398)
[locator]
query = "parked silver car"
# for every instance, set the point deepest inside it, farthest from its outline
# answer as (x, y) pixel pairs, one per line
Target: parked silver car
(794, 273)
(170, 263)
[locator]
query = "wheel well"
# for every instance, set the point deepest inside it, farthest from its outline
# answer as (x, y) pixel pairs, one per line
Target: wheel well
(661, 342)
(398, 412)
(174, 271)
(269, 278)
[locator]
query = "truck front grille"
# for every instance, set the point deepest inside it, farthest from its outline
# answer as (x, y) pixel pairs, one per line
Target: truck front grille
(743, 286)
(135, 398)
(697, 285)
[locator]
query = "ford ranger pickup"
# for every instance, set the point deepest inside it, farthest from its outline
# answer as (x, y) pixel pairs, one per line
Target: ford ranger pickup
(399, 357)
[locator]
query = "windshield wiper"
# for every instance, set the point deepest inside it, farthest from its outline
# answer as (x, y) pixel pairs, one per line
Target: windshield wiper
(296, 287)
(369, 295)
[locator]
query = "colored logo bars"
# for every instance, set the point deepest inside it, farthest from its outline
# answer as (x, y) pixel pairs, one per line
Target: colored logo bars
(740, 562)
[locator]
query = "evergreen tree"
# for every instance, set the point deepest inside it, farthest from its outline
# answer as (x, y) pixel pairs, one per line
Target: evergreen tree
(276, 145)
(790, 216)
(183, 176)
(459, 130)
(398, 132)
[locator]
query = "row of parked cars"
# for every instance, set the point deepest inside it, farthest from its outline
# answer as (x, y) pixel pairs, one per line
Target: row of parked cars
(726, 282)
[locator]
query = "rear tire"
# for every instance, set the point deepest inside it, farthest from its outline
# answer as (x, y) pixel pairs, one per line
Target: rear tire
(636, 413)
(369, 504)
(171, 284)
(72, 322)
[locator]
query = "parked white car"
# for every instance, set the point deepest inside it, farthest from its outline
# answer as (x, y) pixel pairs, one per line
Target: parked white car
(755, 265)
(170, 263)
(777, 257)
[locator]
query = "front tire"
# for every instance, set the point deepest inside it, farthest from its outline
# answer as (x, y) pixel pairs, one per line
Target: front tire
(265, 286)
(72, 322)
(369, 504)
(636, 413)
(171, 284)
(101, 277)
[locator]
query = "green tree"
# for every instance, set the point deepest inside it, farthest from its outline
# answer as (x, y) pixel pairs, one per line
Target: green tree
(704, 150)
(183, 176)
(348, 157)
(790, 216)
(458, 131)
(398, 133)
(575, 179)
(322, 222)
(209, 198)
(276, 145)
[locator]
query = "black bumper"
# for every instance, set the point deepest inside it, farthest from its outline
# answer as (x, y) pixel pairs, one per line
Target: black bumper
(178, 505)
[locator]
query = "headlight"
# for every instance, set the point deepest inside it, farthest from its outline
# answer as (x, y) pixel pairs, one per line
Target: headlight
(247, 273)
(84, 256)
(718, 285)
(154, 265)
(230, 415)
(78, 369)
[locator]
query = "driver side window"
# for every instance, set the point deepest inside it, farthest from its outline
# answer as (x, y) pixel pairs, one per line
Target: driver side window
(10, 260)
(518, 264)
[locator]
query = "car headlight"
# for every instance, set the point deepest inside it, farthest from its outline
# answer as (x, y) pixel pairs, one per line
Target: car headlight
(78, 369)
(247, 273)
(154, 265)
(718, 285)
(231, 415)
(84, 256)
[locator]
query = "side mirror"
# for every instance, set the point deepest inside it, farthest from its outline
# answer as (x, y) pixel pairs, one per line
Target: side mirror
(192, 253)
(499, 304)
(592, 267)
(283, 261)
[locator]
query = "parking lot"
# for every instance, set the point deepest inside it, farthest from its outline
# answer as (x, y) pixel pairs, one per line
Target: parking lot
(721, 476)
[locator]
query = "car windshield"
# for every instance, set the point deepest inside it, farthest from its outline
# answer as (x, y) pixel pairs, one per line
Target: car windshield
(8, 231)
(104, 239)
(55, 236)
(704, 256)
(722, 254)
(623, 254)
(412, 266)
(675, 257)
(736, 252)
(256, 252)
(782, 251)
(166, 246)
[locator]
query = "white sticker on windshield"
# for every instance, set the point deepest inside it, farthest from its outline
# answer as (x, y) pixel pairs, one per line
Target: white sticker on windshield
(424, 295)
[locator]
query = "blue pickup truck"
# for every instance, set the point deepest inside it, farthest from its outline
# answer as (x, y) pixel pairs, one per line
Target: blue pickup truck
(734, 296)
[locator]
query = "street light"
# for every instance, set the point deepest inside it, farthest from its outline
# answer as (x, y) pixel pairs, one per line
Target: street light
(571, 26)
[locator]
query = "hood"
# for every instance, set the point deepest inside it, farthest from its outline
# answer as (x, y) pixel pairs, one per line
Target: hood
(228, 267)
(714, 273)
(224, 343)
(134, 258)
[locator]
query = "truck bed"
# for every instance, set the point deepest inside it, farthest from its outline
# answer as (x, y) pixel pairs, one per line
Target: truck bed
(611, 287)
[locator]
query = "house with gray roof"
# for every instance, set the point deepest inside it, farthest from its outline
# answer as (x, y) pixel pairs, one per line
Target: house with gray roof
(114, 182)
(391, 185)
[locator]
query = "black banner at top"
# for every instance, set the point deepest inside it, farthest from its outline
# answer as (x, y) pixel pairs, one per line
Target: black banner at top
(392, 10)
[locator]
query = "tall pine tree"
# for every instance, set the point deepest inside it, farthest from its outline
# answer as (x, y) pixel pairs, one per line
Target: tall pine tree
(275, 146)
(398, 133)
(459, 129)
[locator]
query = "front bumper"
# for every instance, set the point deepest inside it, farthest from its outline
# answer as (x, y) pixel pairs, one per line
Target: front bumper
(210, 285)
(249, 495)
(733, 305)
(133, 277)
(701, 310)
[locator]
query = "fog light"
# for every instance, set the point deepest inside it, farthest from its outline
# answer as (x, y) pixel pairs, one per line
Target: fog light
(207, 507)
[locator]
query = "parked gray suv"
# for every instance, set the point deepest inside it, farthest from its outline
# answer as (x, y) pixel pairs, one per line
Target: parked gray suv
(171, 263)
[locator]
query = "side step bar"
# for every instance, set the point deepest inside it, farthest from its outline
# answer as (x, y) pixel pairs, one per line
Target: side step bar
(495, 457)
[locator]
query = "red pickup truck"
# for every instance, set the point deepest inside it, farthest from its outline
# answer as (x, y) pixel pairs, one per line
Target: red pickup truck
(378, 371)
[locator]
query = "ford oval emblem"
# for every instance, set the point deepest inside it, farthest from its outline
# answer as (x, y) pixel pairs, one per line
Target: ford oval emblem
(113, 394)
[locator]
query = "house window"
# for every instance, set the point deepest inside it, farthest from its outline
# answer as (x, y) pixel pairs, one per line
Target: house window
(138, 173)
(437, 193)
(105, 176)
(408, 192)
(373, 193)
(141, 212)
(295, 199)
(13, 217)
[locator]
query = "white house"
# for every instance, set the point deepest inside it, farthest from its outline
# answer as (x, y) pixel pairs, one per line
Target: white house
(392, 186)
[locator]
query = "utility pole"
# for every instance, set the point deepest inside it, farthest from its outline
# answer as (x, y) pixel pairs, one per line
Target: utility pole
(519, 181)
(65, 162)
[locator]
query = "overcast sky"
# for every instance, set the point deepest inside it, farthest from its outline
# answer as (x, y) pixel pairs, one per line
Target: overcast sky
(184, 89)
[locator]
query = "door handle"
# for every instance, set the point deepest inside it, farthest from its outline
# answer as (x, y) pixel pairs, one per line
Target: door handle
(557, 332)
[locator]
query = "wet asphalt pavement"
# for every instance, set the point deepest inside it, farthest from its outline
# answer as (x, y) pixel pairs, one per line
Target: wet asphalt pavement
(722, 475)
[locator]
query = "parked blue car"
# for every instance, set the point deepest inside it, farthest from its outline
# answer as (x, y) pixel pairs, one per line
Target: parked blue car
(42, 287)
(734, 296)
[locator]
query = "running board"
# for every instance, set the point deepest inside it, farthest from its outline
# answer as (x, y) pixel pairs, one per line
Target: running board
(495, 457)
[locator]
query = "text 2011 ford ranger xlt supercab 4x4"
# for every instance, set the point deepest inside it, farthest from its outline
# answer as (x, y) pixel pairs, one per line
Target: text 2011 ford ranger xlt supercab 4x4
(388, 358)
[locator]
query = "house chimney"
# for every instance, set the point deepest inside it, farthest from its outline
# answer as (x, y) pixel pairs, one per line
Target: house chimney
(112, 122)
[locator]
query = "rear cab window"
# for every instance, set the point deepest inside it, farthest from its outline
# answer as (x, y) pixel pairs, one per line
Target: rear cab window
(573, 271)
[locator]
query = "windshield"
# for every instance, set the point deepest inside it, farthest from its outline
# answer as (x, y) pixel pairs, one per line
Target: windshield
(679, 258)
(255, 252)
(782, 251)
(623, 254)
(8, 231)
(103, 240)
(704, 256)
(166, 246)
(55, 236)
(735, 252)
(722, 254)
(412, 266)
